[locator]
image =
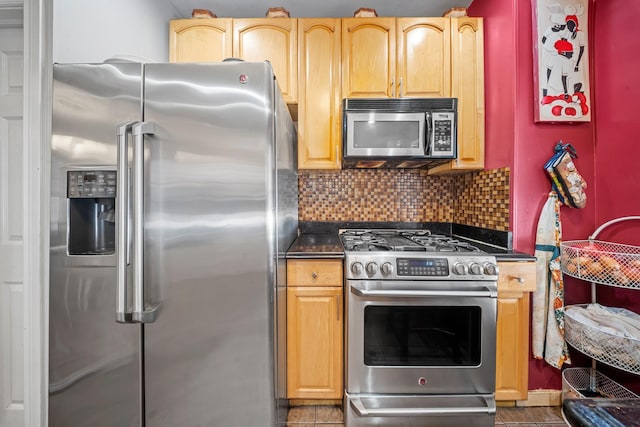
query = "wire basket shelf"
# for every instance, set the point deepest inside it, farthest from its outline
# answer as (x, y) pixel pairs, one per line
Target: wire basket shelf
(580, 383)
(614, 350)
(606, 263)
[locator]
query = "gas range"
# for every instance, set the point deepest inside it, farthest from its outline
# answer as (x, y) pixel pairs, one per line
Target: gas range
(400, 254)
(420, 330)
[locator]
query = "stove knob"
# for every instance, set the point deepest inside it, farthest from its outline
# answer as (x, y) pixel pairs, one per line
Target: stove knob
(372, 268)
(356, 268)
(490, 269)
(459, 268)
(474, 268)
(387, 268)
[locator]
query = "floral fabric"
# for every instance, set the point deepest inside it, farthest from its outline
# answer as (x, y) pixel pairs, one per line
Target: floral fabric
(548, 341)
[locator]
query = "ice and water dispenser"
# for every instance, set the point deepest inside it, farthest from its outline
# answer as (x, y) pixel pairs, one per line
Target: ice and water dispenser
(91, 197)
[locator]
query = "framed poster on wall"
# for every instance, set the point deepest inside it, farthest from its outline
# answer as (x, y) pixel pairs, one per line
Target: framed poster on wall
(561, 61)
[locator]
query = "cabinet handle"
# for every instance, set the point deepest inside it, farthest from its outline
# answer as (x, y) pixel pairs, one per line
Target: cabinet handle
(516, 278)
(400, 88)
(338, 307)
(393, 88)
(314, 275)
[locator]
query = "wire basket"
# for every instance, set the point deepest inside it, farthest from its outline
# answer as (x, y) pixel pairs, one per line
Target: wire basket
(617, 351)
(580, 383)
(602, 262)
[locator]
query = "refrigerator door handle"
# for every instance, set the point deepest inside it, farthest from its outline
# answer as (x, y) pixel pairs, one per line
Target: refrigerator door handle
(140, 314)
(122, 237)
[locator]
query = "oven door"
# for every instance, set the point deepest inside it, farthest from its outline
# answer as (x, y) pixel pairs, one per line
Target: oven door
(378, 134)
(421, 337)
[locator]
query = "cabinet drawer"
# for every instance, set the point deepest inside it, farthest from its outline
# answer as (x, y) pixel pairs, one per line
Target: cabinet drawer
(517, 276)
(325, 272)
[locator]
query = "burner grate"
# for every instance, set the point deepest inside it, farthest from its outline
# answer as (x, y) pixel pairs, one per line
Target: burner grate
(402, 241)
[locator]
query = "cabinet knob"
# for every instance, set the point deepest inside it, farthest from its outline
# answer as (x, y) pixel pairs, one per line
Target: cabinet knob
(517, 279)
(314, 275)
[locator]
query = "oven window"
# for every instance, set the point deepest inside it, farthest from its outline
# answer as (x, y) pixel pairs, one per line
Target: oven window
(383, 134)
(422, 336)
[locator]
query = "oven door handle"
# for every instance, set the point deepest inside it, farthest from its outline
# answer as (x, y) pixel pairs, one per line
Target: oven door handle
(360, 409)
(394, 293)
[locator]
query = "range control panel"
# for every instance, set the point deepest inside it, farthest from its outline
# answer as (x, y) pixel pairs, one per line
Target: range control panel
(91, 183)
(423, 267)
(420, 266)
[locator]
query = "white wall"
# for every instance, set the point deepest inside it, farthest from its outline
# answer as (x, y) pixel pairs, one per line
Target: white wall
(95, 30)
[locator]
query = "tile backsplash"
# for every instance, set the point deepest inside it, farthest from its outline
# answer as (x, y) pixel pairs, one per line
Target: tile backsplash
(405, 195)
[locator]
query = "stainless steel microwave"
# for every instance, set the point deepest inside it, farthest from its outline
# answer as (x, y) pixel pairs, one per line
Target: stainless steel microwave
(398, 133)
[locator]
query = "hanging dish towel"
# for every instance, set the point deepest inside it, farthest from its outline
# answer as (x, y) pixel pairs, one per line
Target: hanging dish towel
(548, 299)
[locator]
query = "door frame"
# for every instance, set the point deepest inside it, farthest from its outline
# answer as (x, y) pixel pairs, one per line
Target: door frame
(37, 28)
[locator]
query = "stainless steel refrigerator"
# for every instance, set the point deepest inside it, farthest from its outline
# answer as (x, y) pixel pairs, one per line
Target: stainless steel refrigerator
(174, 199)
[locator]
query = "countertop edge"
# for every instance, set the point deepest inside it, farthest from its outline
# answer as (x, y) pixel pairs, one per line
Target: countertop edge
(318, 255)
(327, 245)
(516, 256)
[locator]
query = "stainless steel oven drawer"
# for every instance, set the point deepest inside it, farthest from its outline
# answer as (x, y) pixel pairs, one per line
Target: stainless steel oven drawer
(476, 410)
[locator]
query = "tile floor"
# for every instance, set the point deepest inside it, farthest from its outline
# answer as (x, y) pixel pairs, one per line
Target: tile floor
(331, 416)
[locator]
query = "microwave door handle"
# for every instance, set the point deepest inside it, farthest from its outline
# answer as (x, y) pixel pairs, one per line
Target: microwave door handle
(428, 123)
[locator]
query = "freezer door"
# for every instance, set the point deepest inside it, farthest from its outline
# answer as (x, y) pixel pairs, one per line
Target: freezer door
(209, 246)
(94, 362)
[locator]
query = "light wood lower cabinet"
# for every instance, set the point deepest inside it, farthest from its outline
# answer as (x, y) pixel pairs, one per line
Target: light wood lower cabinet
(314, 329)
(516, 281)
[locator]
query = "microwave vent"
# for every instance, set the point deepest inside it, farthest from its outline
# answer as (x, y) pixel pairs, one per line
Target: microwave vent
(404, 104)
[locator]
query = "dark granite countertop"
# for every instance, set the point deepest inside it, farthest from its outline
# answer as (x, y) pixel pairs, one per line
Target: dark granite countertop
(316, 245)
(320, 240)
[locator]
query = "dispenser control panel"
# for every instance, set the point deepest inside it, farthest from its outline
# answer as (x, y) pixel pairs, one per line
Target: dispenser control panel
(91, 183)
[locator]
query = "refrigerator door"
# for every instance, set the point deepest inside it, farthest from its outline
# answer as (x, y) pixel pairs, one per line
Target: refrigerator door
(94, 362)
(209, 245)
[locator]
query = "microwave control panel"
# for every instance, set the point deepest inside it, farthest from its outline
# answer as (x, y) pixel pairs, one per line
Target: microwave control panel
(443, 135)
(91, 183)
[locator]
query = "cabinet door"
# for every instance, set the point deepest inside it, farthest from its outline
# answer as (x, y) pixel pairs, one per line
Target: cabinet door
(423, 65)
(512, 347)
(467, 84)
(368, 57)
(272, 39)
(319, 120)
(314, 343)
(200, 40)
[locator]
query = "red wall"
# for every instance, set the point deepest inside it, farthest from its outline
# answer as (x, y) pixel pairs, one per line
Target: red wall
(617, 146)
(525, 146)
(617, 142)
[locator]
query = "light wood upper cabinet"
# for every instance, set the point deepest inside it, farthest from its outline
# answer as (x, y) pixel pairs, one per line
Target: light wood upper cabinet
(314, 329)
(368, 57)
(272, 39)
(423, 66)
(200, 40)
(467, 84)
(319, 117)
(396, 57)
(515, 281)
(353, 58)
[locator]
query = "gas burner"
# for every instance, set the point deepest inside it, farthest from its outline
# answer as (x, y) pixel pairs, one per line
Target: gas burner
(401, 241)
